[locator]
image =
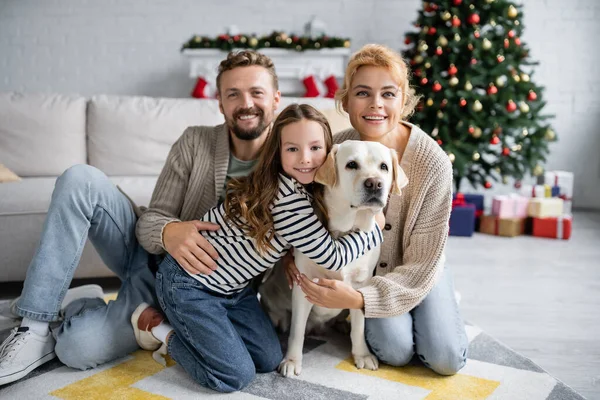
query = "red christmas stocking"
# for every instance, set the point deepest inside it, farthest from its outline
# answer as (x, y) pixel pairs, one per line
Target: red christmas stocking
(198, 91)
(332, 86)
(311, 86)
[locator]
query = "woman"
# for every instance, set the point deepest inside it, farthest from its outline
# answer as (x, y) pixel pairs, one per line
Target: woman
(409, 305)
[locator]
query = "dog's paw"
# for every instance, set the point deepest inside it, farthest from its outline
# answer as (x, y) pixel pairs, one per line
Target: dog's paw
(368, 361)
(289, 368)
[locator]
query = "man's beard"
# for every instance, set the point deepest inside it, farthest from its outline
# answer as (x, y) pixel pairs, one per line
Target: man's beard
(252, 133)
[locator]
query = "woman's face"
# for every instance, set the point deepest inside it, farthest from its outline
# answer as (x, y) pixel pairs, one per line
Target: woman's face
(374, 102)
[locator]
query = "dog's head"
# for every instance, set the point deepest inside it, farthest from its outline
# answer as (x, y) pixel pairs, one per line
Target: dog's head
(363, 173)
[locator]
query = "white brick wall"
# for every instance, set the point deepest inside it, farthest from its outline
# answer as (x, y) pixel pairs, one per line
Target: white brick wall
(132, 47)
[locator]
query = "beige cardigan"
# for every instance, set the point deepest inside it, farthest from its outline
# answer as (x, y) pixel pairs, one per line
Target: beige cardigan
(412, 254)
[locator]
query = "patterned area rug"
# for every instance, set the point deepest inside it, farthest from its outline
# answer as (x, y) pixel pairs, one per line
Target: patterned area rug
(493, 371)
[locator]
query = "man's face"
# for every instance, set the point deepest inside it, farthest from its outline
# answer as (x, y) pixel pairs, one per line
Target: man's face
(248, 101)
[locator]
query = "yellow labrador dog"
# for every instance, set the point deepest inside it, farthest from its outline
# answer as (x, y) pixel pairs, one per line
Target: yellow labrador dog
(358, 177)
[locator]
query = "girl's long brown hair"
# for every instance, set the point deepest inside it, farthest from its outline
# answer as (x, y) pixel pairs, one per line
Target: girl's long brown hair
(248, 199)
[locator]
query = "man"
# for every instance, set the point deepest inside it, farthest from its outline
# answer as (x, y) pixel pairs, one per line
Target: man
(85, 204)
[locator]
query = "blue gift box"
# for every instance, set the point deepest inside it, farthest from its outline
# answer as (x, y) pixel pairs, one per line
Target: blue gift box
(555, 191)
(476, 199)
(462, 220)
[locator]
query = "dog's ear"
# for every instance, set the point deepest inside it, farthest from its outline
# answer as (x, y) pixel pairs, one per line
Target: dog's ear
(399, 179)
(326, 174)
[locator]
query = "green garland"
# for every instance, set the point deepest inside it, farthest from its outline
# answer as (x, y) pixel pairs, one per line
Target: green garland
(277, 40)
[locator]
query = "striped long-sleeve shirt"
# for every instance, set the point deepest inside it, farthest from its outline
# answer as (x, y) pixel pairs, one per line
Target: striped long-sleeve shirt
(295, 225)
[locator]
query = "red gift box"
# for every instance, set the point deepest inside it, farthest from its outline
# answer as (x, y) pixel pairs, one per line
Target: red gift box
(555, 228)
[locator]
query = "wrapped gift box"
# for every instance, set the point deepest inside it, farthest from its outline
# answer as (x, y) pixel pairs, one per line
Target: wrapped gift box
(546, 207)
(462, 217)
(510, 206)
(508, 227)
(471, 198)
(555, 228)
(537, 191)
(561, 179)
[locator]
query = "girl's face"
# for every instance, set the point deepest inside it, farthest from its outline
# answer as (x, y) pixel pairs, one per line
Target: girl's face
(374, 102)
(302, 150)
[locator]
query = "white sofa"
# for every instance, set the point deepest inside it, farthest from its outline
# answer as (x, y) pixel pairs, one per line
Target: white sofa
(128, 138)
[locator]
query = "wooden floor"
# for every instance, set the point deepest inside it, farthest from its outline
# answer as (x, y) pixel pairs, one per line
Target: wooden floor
(540, 297)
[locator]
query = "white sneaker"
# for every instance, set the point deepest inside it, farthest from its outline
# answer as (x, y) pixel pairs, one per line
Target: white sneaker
(22, 352)
(80, 292)
(143, 324)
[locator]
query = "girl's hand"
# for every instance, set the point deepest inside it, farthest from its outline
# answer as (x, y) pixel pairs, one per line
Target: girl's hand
(331, 293)
(291, 272)
(380, 219)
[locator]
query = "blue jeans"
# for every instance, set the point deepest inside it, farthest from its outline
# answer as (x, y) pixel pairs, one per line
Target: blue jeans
(85, 204)
(434, 330)
(221, 341)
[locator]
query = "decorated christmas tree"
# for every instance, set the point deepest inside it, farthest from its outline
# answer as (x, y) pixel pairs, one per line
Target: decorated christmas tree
(479, 101)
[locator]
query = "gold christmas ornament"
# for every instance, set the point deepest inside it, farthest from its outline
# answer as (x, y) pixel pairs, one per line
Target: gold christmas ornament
(512, 12)
(471, 6)
(440, 114)
(197, 39)
(457, 37)
(538, 170)
(477, 133)
(442, 41)
(435, 132)
(317, 45)
(498, 170)
(422, 46)
(517, 23)
(525, 132)
(486, 44)
(425, 29)
(477, 106)
(427, 65)
(453, 81)
(489, 1)
(524, 107)
(446, 15)
(243, 39)
(418, 59)
(468, 86)
(476, 156)
(429, 102)
(492, 22)
(452, 157)
(516, 78)
(347, 43)
(550, 135)
(516, 147)
(288, 40)
(253, 41)
(505, 180)
(298, 47)
(525, 77)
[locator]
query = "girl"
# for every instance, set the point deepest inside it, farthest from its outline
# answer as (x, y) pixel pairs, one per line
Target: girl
(219, 333)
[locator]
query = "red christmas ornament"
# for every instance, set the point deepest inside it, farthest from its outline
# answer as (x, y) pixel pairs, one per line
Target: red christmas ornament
(471, 130)
(473, 61)
(511, 34)
(417, 72)
(436, 87)
(456, 2)
(456, 22)
(452, 70)
(518, 41)
(438, 51)
(532, 96)
(432, 31)
(492, 89)
(439, 141)
(511, 106)
(487, 185)
(462, 102)
(473, 19)
(505, 151)
(495, 140)
(407, 40)
(443, 103)
(476, 34)
(500, 58)
(506, 43)
(236, 38)
(424, 81)
(518, 185)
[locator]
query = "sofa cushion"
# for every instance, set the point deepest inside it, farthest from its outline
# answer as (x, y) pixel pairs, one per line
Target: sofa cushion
(133, 135)
(6, 175)
(41, 134)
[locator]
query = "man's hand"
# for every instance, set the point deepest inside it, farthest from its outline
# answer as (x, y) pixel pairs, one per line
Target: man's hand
(331, 293)
(189, 248)
(291, 272)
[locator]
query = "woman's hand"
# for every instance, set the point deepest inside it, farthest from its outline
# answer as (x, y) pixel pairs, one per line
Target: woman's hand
(331, 293)
(380, 219)
(291, 272)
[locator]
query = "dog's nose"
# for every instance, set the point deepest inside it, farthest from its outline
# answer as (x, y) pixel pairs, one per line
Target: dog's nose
(373, 184)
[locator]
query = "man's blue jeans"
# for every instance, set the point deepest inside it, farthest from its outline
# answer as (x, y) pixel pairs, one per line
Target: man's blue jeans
(86, 204)
(434, 330)
(221, 341)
